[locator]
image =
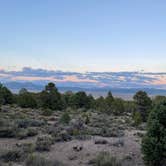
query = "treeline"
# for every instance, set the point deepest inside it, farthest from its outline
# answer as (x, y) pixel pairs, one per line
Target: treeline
(50, 98)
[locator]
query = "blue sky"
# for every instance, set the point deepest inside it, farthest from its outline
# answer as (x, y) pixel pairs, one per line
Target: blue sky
(83, 35)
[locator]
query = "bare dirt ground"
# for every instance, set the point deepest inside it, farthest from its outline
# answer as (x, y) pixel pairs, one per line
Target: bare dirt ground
(63, 151)
(126, 148)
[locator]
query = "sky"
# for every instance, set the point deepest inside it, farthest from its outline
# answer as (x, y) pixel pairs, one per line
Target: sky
(83, 35)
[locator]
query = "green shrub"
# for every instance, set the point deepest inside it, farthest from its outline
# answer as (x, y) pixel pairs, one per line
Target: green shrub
(24, 123)
(12, 155)
(21, 134)
(26, 100)
(6, 96)
(37, 160)
(31, 132)
(62, 136)
(65, 118)
(154, 142)
(105, 159)
(117, 106)
(24, 133)
(47, 112)
(7, 128)
(137, 118)
(44, 142)
(34, 160)
(28, 148)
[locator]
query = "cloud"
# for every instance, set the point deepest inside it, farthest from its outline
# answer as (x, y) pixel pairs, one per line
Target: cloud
(102, 79)
(70, 78)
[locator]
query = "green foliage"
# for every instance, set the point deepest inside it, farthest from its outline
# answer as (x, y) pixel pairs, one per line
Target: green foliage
(44, 142)
(137, 118)
(129, 106)
(118, 106)
(24, 123)
(6, 97)
(47, 112)
(158, 99)
(65, 118)
(100, 104)
(105, 159)
(143, 103)
(7, 128)
(80, 100)
(154, 142)
(109, 104)
(37, 160)
(109, 99)
(12, 155)
(86, 118)
(51, 98)
(26, 99)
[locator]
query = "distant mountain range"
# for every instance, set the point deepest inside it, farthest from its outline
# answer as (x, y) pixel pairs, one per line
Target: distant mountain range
(97, 83)
(100, 91)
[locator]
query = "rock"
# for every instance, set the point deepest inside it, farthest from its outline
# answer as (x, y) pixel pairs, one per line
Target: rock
(77, 148)
(101, 141)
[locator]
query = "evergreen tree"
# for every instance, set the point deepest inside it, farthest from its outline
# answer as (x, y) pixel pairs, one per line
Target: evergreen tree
(154, 142)
(51, 98)
(143, 103)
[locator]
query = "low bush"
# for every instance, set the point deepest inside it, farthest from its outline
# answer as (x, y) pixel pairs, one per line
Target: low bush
(22, 133)
(7, 128)
(111, 132)
(24, 123)
(44, 142)
(65, 118)
(37, 160)
(137, 118)
(105, 159)
(31, 132)
(12, 155)
(47, 112)
(62, 136)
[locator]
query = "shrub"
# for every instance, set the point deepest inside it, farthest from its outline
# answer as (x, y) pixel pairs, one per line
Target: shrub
(24, 123)
(12, 155)
(63, 136)
(6, 97)
(111, 132)
(137, 118)
(34, 160)
(28, 147)
(105, 159)
(65, 118)
(37, 160)
(47, 112)
(26, 100)
(32, 132)
(21, 134)
(44, 142)
(86, 118)
(7, 128)
(24, 133)
(118, 106)
(154, 142)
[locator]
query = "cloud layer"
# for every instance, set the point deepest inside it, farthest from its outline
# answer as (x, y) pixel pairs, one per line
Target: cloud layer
(88, 79)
